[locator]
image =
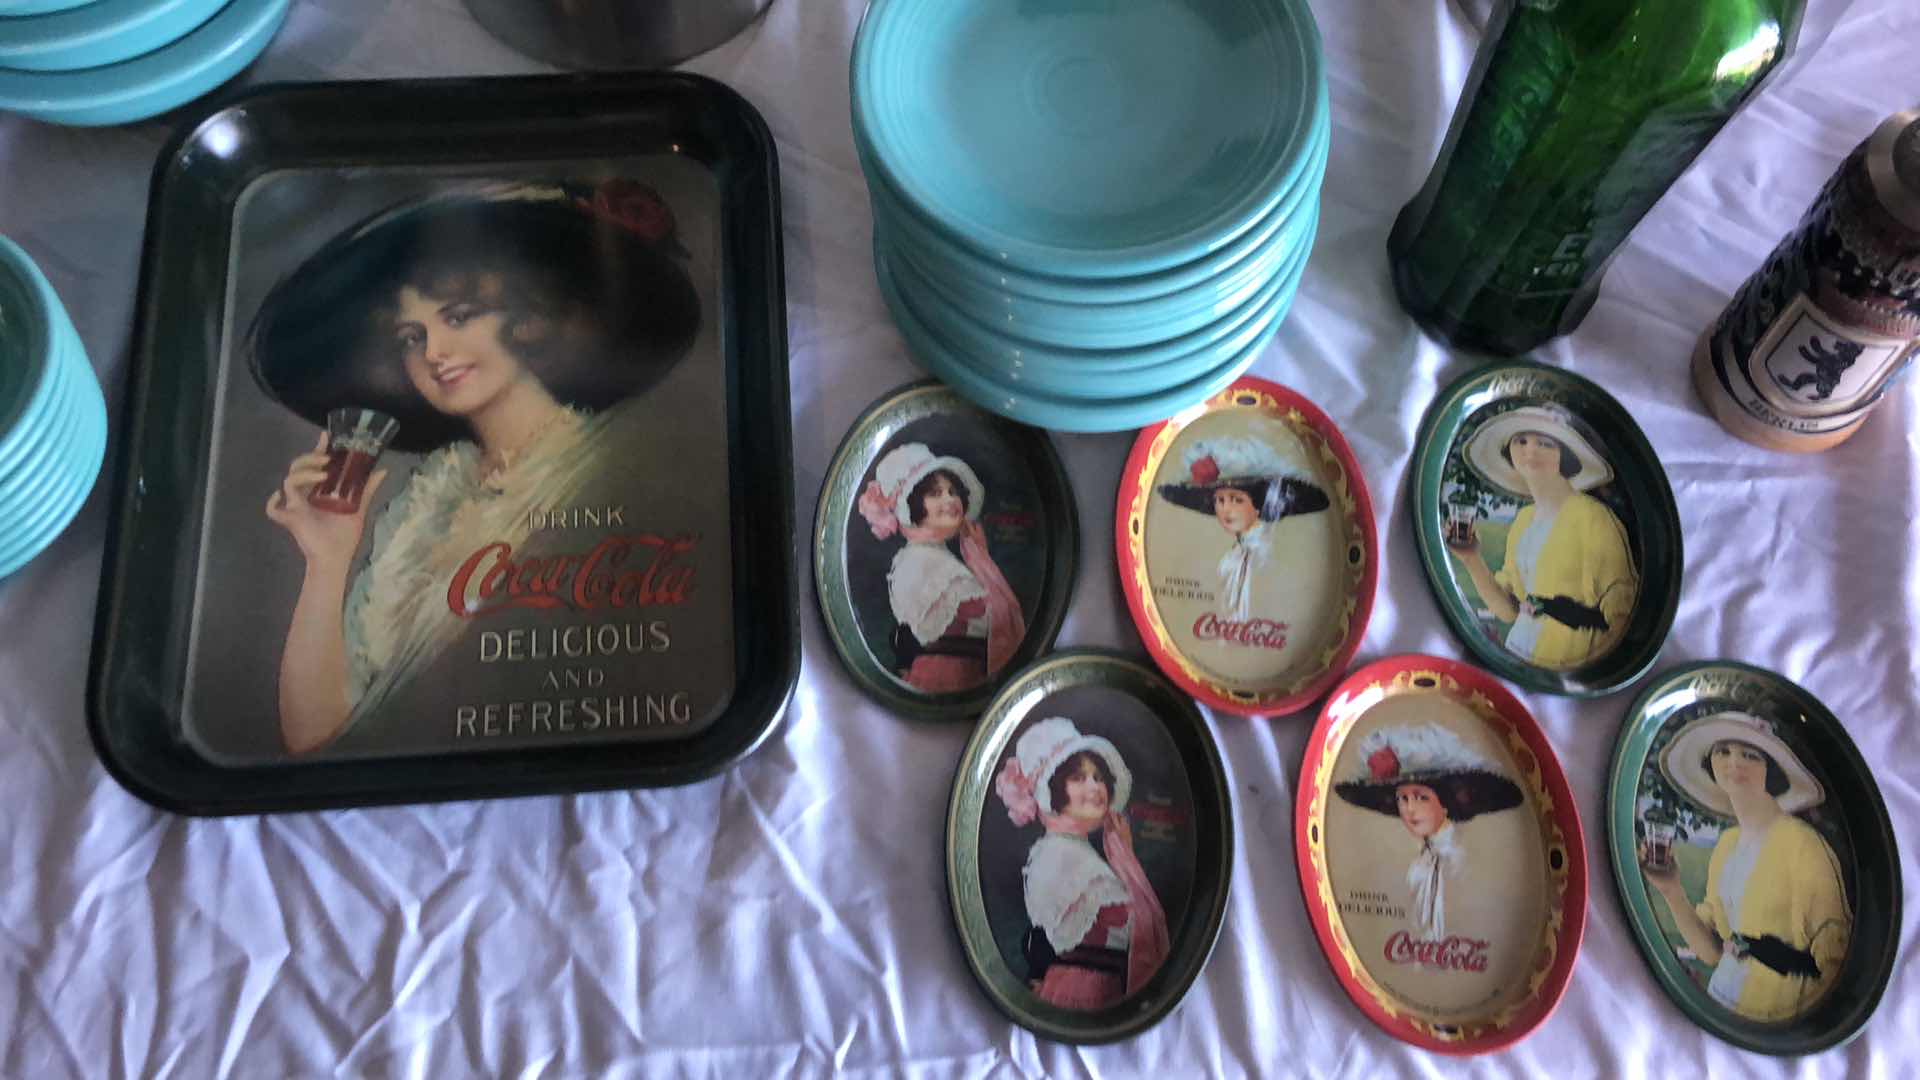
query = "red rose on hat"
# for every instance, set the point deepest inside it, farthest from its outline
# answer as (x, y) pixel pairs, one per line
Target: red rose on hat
(1383, 763)
(635, 207)
(1205, 470)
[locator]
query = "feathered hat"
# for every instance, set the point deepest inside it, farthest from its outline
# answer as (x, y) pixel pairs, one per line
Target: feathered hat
(1277, 485)
(1466, 783)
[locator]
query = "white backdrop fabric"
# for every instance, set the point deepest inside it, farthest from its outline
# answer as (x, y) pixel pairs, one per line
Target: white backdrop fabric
(789, 917)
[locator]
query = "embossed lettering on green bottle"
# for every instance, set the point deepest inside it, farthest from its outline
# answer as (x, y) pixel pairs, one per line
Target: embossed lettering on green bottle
(1577, 116)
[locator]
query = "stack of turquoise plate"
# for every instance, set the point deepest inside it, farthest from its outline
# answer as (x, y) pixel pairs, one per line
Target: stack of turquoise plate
(90, 62)
(53, 422)
(1089, 216)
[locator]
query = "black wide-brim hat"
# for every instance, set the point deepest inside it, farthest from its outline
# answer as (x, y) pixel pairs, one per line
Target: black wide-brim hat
(622, 307)
(1466, 793)
(1275, 496)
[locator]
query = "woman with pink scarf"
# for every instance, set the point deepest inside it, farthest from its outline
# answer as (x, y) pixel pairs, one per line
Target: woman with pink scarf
(957, 620)
(1099, 933)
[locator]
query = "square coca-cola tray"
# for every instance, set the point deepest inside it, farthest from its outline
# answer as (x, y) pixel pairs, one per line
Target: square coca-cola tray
(456, 460)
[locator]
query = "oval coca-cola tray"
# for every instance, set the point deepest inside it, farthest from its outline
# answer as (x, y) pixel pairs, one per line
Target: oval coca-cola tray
(1548, 529)
(1754, 858)
(1247, 549)
(944, 550)
(1440, 853)
(1089, 847)
(455, 460)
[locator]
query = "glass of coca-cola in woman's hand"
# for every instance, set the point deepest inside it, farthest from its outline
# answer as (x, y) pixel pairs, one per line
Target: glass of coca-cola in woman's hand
(1658, 854)
(355, 440)
(1459, 525)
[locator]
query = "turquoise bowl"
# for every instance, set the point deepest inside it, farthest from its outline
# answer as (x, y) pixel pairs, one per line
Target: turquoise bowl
(1058, 412)
(1105, 326)
(29, 380)
(911, 229)
(99, 33)
(1097, 373)
(1089, 140)
(1101, 376)
(151, 84)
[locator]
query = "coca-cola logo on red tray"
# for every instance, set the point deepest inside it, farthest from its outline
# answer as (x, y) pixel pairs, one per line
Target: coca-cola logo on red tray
(1451, 953)
(1253, 633)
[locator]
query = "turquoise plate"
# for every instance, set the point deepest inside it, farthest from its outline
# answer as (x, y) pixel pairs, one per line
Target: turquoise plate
(1101, 374)
(61, 506)
(1090, 140)
(1822, 947)
(1107, 326)
(1050, 411)
(27, 372)
(69, 480)
(10, 9)
(60, 509)
(97, 34)
(38, 449)
(25, 483)
(151, 84)
(1001, 278)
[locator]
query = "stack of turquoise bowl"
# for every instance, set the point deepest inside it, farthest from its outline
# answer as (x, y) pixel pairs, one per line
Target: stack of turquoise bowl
(1087, 217)
(53, 422)
(92, 62)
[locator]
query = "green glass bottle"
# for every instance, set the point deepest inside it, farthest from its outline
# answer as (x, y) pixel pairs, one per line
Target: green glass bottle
(1577, 115)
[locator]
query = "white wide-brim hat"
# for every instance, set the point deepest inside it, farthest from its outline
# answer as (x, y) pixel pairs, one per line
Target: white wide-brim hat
(908, 464)
(1049, 743)
(1682, 762)
(1483, 451)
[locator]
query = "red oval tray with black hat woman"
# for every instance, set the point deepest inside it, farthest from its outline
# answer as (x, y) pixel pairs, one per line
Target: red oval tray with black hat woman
(1440, 853)
(1247, 549)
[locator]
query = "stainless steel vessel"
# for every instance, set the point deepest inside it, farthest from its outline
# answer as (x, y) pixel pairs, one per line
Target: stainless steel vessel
(612, 34)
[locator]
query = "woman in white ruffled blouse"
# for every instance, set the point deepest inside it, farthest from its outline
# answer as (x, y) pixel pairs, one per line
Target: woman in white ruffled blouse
(1433, 782)
(503, 328)
(957, 621)
(1098, 931)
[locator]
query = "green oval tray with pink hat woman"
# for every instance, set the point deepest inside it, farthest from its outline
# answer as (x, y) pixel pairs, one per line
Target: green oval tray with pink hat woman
(1089, 847)
(944, 551)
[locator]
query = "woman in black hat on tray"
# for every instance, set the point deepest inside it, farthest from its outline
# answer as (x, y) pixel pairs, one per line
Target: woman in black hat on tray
(502, 329)
(1431, 780)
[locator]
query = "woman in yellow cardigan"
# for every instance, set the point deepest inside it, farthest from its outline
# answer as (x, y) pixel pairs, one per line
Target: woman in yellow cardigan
(1774, 924)
(1567, 584)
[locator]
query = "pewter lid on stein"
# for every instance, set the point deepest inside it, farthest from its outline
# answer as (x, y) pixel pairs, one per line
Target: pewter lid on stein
(1893, 164)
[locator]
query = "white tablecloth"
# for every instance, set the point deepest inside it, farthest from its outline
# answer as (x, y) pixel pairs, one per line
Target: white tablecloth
(790, 916)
